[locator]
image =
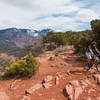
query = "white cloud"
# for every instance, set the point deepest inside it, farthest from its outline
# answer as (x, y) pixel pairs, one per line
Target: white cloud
(24, 13)
(86, 15)
(96, 8)
(58, 23)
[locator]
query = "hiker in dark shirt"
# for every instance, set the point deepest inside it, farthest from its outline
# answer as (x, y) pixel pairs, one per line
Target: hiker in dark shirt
(91, 51)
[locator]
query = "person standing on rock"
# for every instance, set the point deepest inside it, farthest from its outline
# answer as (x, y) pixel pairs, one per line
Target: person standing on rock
(91, 52)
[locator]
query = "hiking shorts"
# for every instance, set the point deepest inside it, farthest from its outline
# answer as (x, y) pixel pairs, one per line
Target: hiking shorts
(89, 56)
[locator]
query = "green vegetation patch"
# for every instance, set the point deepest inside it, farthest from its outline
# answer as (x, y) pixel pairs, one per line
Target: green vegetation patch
(26, 67)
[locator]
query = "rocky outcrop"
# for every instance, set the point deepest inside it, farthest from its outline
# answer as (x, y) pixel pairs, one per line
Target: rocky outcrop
(33, 88)
(48, 79)
(75, 88)
(46, 83)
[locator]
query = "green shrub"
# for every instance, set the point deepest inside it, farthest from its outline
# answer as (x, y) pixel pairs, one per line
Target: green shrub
(57, 38)
(15, 69)
(32, 65)
(95, 25)
(22, 68)
(80, 40)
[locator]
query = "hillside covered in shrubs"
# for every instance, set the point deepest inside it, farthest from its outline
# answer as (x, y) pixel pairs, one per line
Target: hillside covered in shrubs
(80, 40)
(13, 67)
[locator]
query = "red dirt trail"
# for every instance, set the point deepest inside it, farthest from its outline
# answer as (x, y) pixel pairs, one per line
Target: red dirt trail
(15, 88)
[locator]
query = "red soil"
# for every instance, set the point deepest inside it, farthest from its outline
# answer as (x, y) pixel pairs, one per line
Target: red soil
(64, 62)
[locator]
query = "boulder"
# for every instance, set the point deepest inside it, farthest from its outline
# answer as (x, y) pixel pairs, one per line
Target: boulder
(48, 79)
(69, 92)
(75, 88)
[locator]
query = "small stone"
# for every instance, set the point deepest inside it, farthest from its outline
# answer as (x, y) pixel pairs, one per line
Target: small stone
(68, 72)
(52, 58)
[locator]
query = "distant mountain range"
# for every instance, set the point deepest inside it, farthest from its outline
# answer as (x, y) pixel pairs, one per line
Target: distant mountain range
(13, 39)
(26, 36)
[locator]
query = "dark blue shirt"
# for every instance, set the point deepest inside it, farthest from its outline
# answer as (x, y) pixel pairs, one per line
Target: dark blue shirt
(92, 48)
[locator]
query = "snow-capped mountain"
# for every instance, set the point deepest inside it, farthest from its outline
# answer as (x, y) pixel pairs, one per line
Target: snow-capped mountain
(13, 40)
(22, 34)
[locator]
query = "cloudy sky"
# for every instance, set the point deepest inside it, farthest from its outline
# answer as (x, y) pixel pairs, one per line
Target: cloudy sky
(60, 15)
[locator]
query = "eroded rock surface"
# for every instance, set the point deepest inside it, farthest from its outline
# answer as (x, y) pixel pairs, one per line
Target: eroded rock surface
(75, 88)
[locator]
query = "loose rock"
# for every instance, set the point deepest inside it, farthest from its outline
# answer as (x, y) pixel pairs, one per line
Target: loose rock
(34, 88)
(48, 79)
